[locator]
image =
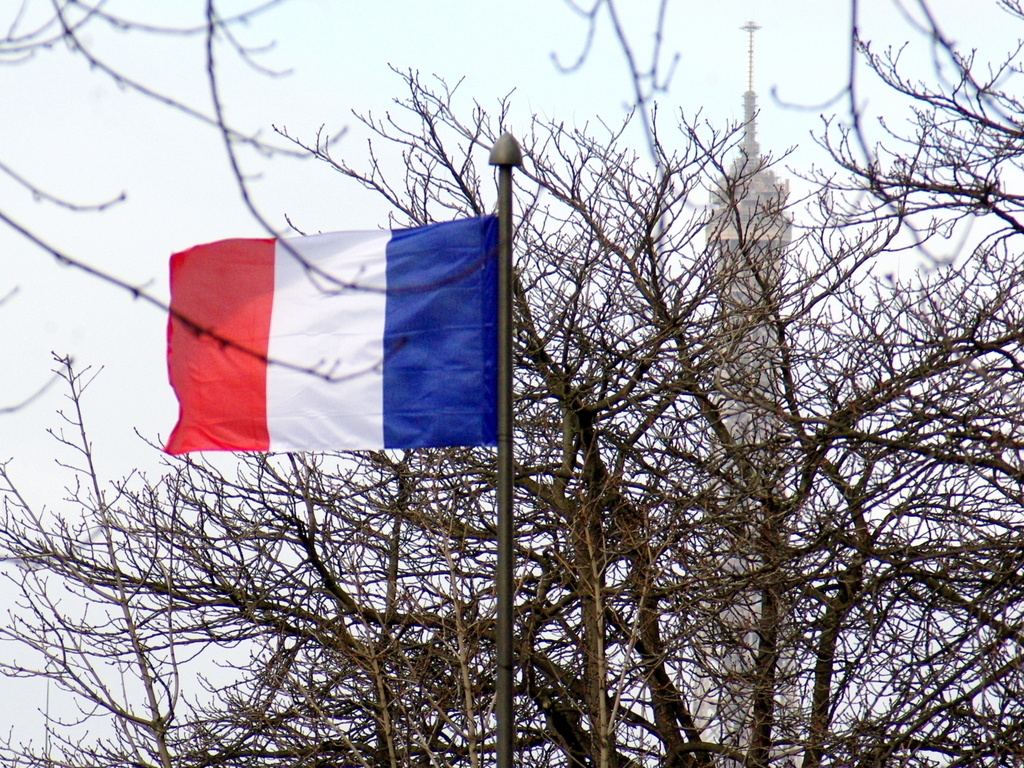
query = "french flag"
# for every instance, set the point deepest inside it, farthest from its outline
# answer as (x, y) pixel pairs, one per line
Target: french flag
(399, 327)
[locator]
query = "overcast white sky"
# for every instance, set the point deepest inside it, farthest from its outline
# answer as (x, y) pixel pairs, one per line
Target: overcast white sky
(76, 134)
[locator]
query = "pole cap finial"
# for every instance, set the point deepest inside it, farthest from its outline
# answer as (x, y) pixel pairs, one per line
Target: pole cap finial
(506, 151)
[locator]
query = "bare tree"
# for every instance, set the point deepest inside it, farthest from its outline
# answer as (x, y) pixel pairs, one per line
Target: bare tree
(950, 168)
(81, 619)
(769, 505)
(31, 29)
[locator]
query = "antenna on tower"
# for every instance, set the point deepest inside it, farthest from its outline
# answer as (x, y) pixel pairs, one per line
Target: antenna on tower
(750, 148)
(750, 28)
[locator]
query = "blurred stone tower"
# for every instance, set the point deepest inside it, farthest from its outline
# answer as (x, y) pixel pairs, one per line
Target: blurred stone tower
(748, 234)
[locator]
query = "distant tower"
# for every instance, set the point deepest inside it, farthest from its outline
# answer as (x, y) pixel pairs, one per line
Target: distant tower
(750, 148)
(748, 234)
(748, 219)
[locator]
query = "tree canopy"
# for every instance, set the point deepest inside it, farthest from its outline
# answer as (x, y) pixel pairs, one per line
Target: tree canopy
(768, 503)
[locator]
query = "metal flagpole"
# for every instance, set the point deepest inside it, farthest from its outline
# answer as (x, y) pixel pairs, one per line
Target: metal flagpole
(505, 154)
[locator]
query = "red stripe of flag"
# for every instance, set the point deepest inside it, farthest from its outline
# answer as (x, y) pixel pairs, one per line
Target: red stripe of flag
(226, 289)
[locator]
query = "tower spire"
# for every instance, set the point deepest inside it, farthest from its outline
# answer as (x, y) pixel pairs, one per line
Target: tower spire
(750, 147)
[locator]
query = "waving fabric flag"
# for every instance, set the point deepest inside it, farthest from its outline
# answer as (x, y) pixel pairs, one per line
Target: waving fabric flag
(401, 325)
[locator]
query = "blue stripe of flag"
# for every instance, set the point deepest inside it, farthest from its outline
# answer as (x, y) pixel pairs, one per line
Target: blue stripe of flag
(440, 335)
